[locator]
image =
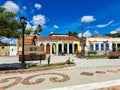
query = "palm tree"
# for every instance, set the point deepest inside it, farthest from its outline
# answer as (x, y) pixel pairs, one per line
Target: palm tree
(75, 34)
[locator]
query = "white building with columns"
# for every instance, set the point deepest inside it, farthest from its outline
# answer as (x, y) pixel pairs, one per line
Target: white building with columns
(55, 44)
(102, 44)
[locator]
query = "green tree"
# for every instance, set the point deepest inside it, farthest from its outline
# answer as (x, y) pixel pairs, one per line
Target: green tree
(75, 34)
(113, 35)
(8, 25)
(19, 32)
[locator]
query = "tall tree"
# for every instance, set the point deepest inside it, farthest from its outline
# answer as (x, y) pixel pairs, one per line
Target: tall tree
(19, 32)
(113, 35)
(8, 24)
(75, 34)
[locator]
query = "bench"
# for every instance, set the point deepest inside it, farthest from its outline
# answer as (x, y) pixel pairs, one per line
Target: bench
(114, 54)
(90, 52)
(33, 57)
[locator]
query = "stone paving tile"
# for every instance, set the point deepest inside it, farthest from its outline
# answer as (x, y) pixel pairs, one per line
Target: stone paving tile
(87, 73)
(17, 80)
(27, 80)
(1, 89)
(110, 88)
(118, 69)
(112, 71)
(100, 72)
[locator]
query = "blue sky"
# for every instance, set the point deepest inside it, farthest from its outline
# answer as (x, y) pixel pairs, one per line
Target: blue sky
(60, 16)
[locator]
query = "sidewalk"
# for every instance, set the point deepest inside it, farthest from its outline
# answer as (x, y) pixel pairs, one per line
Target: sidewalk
(80, 62)
(76, 77)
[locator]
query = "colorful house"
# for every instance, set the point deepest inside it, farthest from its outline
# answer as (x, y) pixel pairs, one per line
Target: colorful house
(55, 44)
(102, 44)
(7, 49)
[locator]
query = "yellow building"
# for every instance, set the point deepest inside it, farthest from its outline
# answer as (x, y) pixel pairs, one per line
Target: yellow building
(55, 44)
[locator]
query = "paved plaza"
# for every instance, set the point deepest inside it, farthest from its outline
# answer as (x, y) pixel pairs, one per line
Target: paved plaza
(85, 75)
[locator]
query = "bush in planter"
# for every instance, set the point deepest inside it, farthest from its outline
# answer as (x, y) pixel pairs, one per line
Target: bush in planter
(118, 49)
(69, 62)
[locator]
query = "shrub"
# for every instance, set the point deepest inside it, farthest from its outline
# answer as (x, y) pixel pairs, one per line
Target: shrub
(69, 62)
(118, 49)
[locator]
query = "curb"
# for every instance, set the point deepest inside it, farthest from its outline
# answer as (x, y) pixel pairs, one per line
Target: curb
(92, 86)
(23, 71)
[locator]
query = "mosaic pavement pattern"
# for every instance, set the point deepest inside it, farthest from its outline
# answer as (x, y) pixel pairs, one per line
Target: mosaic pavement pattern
(54, 77)
(26, 81)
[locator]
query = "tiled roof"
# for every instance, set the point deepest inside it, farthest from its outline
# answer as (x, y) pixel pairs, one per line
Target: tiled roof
(2, 44)
(58, 38)
(28, 39)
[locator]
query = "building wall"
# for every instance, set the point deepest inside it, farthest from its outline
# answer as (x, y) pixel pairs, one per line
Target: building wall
(8, 51)
(13, 51)
(102, 44)
(55, 45)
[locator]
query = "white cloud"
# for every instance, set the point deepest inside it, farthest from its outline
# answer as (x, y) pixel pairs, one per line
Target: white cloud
(96, 32)
(86, 34)
(115, 31)
(88, 19)
(11, 6)
(24, 7)
(39, 20)
(105, 25)
(56, 26)
(37, 6)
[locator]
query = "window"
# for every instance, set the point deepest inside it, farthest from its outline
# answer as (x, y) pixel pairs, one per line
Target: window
(102, 46)
(97, 46)
(91, 46)
(107, 46)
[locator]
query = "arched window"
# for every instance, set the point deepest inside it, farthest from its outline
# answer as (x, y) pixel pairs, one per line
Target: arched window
(42, 47)
(59, 48)
(48, 48)
(70, 48)
(54, 48)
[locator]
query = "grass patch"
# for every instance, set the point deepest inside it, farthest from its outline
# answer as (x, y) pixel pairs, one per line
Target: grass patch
(97, 56)
(39, 66)
(49, 66)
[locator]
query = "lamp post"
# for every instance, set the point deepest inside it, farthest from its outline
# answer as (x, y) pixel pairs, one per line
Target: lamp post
(82, 39)
(22, 20)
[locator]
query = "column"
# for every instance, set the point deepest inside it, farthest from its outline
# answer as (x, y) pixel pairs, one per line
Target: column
(50, 48)
(56, 49)
(68, 48)
(99, 46)
(94, 46)
(44, 47)
(62, 48)
(73, 48)
(110, 46)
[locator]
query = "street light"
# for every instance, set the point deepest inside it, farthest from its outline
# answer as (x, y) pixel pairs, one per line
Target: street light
(82, 28)
(82, 39)
(22, 20)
